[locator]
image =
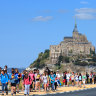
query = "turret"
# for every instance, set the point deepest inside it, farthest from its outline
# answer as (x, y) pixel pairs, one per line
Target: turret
(75, 31)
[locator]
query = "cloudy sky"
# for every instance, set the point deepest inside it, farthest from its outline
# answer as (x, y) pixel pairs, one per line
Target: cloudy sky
(28, 27)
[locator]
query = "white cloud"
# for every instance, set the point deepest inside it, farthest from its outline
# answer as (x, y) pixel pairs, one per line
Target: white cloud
(85, 13)
(85, 16)
(41, 18)
(86, 10)
(84, 2)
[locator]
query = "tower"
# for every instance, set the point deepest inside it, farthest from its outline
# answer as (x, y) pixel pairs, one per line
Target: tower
(75, 31)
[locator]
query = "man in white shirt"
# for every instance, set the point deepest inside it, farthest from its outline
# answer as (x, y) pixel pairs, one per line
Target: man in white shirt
(58, 77)
(68, 78)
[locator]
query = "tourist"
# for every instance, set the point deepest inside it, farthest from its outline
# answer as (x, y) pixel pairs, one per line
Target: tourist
(84, 79)
(64, 78)
(45, 80)
(0, 70)
(68, 78)
(52, 79)
(27, 82)
(18, 79)
(5, 67)
(47, 70)
(80, 80)
(13, 83)
(58, 77)
(0, 73)
(32, 75)
(56, 82)
(4, 82)
(72, 78)
(37, 85)
(94, 77)
(76, 79)
(87, 78)
(90, 77)
(23, 75)
(35, 73)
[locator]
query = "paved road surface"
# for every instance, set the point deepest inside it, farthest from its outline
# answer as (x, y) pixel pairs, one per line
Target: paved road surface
(88, 92)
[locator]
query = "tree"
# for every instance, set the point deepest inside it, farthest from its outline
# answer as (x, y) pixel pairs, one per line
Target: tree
(41, 60)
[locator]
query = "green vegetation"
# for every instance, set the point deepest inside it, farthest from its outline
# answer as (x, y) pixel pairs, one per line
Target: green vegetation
(41, 60)
(80, 59)
(81, 63)
(62, 59)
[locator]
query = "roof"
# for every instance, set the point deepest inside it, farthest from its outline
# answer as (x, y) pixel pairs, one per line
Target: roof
(75, 28)
(68, 37)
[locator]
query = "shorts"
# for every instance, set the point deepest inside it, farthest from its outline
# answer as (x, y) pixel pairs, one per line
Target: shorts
(83, 81)
(67, 80)
(37, 80)
(17, 82)
(72, 80)
(44, 82)
(13, 84)
(80, 80)
(76, 80)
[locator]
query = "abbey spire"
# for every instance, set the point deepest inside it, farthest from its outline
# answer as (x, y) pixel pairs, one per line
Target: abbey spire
(75, 28)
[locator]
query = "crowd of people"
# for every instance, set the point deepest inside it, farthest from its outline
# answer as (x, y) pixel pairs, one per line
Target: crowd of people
(32, 80)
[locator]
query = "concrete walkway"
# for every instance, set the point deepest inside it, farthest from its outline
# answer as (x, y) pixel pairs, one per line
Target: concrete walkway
(60, 90)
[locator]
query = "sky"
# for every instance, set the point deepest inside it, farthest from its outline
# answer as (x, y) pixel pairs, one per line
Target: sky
(28, 27)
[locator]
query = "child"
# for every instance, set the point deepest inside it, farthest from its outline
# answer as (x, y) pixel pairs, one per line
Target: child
(52, 79)
(64, 78)
(68, 78)
(80, 80)
(23, 74)
(76, 79)
(45, 80)
(56, 83)
(18, 79)
(72, 78)
(84, 79)
(4, 82)
(38, 79)
(27, 83)
(13, 83)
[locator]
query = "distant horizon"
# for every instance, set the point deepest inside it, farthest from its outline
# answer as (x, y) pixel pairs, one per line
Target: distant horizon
(30, 27)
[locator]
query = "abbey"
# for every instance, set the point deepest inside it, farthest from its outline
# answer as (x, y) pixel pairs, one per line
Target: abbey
(77, 44)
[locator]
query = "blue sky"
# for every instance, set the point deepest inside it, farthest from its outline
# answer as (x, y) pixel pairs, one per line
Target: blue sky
(28, 27)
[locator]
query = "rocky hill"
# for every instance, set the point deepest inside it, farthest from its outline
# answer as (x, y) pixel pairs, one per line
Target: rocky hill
(42, 60)
(76, 63)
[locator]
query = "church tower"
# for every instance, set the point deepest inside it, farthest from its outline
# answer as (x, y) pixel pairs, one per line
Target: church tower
(75, 31)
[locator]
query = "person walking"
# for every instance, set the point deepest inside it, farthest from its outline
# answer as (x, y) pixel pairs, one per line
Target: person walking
(38, 79)
(4, 82)
(76, 79)
(72, 78)
(27, 82)
(45, 80)
(13, 83)
(52, 80)
(84, 79)
(64, 78)
(80, 80)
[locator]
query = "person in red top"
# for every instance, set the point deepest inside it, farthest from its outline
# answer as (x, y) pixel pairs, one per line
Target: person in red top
(32, 76)
(27, 82)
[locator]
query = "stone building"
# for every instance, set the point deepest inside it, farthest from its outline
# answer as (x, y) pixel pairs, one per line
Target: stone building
(75, 45)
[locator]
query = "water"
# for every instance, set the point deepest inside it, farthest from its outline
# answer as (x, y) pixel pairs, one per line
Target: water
(19, 69)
